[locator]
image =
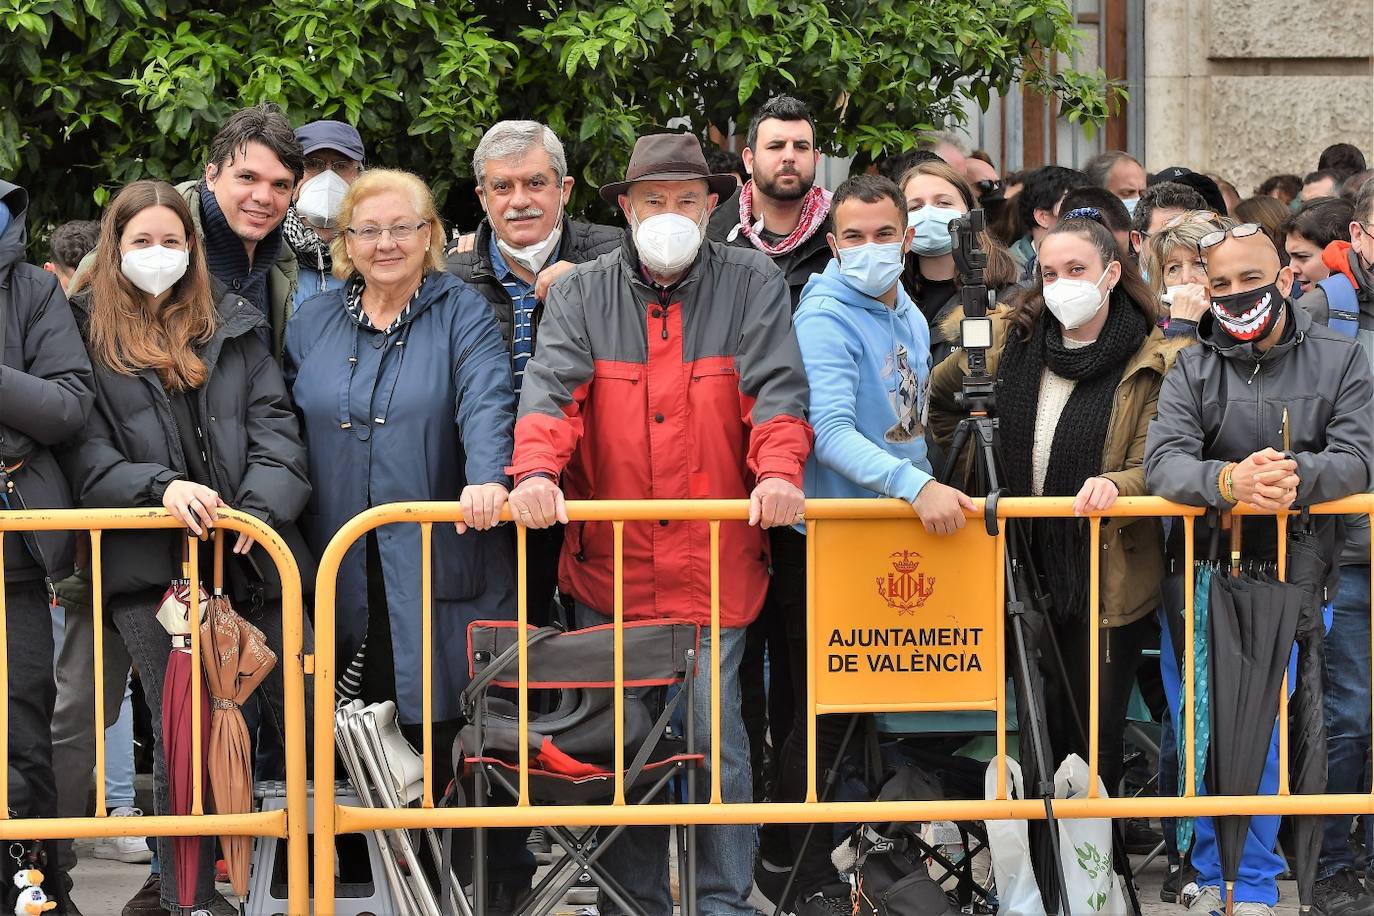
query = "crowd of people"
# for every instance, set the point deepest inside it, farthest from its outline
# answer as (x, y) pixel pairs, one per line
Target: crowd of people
(295, 334)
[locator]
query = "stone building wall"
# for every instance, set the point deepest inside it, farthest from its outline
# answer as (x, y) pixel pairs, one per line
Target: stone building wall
(1247, 88)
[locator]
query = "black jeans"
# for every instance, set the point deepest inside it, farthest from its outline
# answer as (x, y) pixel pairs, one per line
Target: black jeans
(768, 707)
(33, 692)
(1119, 652)
(789, 584)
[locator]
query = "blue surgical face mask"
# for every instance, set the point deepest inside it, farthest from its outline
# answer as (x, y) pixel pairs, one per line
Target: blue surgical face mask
(872, 268)
(932, 229)
(1131, 203)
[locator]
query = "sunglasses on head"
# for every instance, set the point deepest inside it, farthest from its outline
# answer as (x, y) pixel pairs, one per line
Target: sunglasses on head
(1213, 239)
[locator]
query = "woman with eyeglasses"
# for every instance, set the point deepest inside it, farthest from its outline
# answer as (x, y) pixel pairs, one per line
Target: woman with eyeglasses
(403, 386)
(1079, 364)
(1177, 272)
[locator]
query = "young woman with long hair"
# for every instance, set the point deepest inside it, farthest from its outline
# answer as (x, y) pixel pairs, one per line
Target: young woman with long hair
(191, 414)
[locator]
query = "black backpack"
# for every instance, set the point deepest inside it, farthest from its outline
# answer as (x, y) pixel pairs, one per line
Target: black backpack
(886, 862)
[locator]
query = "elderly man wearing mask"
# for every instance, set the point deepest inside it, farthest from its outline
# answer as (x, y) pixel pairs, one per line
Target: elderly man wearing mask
(669, 370)
(333, 161)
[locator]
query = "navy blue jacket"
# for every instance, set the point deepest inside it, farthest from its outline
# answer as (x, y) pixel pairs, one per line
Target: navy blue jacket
(426, 410)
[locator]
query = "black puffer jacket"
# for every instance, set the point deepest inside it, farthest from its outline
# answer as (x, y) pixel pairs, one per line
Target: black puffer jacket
(797, 266)
(582, 242)
(45, 394)
(131, 451)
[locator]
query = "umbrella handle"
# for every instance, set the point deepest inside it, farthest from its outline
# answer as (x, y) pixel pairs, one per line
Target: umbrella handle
(1235, 546)
(219, 561)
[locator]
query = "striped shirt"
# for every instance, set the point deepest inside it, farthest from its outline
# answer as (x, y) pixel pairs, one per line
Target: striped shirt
(523, 304)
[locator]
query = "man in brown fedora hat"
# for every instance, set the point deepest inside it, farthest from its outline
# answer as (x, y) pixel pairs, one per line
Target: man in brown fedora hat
(668, 370)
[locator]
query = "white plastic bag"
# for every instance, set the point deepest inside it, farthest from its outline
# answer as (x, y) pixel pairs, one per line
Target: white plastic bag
(1017, 891)
(1085, 848)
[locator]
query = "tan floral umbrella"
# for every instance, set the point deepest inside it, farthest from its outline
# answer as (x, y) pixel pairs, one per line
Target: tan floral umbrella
(236, 660)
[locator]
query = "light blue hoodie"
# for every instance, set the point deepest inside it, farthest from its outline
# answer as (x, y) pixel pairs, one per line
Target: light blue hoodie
(867, 366)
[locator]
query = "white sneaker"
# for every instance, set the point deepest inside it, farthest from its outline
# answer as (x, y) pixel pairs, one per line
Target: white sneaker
(1205, 901)
(131, 849)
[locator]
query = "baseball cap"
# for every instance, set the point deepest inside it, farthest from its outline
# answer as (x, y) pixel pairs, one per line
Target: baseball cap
(1195, 180)
(335, 135)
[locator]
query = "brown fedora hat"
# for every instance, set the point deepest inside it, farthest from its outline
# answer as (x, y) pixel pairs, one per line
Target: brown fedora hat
(668, 157)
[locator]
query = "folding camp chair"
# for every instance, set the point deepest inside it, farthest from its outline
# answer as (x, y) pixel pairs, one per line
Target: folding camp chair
(572, 745)
(388, 773)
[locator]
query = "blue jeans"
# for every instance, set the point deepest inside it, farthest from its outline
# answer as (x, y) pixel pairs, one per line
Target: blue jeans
(1347, 713)
(1260, 864)
(638, 858)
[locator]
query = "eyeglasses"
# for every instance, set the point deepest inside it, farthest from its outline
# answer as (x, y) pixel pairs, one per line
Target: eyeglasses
(343, 166)
(373, 234)
(1213, 239)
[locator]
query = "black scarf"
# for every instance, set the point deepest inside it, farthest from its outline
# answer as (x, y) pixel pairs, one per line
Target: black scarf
(228, 260)
(312, 252)
(1080, 438)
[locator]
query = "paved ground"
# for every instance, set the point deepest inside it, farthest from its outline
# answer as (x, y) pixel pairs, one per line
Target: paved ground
(102, 888)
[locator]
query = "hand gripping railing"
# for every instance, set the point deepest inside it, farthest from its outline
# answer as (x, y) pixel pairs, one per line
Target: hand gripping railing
(292, 823)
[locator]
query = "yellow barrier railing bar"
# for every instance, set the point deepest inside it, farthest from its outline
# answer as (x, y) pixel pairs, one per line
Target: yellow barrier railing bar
(1282, 724)
(1000, 662)
(193, 567)
(98, 623)
(4, 684)
(619, 530)
(1189, 662)
(810, 661)
(427, 657)
(290, 823)
(1094, 648)
(332, 819)
(522, 620)
(715, 663)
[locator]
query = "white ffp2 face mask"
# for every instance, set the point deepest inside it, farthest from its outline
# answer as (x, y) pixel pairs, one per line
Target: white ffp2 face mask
(534, 257)
(1075, 302)
(155, 270)
(667, 242)
(321, 199)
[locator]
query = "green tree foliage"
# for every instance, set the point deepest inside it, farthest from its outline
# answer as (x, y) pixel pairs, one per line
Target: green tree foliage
(101, 92)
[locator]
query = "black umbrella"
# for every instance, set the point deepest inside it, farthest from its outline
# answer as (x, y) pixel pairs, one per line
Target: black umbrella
(1307, 569)
(1253, 622)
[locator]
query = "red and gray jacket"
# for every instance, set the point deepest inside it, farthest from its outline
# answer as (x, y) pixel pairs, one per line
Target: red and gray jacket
(696, 391)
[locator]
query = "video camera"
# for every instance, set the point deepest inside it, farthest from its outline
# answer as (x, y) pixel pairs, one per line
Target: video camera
(975, 330)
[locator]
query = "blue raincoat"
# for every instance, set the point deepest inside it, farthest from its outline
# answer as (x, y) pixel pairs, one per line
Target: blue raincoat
(426, 410)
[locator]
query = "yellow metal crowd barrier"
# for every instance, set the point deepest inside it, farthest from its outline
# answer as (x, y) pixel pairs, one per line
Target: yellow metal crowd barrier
(291, 824)
(846, 541)
(870, 565)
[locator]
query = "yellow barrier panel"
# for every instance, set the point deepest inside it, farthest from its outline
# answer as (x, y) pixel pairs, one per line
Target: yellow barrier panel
(291, 824)
(864, 532)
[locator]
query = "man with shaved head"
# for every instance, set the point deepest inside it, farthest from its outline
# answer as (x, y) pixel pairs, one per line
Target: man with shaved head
(1273, 411)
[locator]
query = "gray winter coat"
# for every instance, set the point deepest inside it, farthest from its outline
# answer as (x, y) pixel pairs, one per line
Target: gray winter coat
(131, 451)
(1220, 404)
(45, 394)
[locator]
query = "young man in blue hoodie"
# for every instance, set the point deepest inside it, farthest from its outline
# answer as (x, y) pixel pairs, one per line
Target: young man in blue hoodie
(866, 347)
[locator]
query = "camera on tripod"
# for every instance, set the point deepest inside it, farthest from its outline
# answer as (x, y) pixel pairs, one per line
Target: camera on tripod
(975, 329)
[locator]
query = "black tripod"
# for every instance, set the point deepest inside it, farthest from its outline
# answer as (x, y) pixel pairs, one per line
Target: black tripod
(1026, 603)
